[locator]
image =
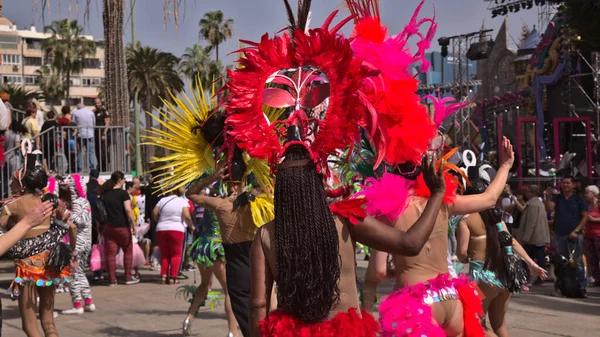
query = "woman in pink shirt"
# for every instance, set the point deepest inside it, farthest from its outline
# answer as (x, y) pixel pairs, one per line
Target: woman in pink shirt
(591, 236)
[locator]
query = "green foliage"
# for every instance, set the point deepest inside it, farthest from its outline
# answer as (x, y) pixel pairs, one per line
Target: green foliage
(582, 16)
(196, 63)
(19, 96)
(50, 83)
(214, 30)
(152, 74)
(67, 49)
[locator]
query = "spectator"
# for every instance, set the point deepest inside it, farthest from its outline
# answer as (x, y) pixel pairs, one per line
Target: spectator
(102, 134)
(30, 123)
(67, 118)
(92, 188)
(5, 97)
(591, 237)
(570, 217)
(49, 139)
(172, 214)
(152, 197)
(85, 121)
(12, 139)
(534, 232)
(508, 208)
(40, 118)
(118, 227)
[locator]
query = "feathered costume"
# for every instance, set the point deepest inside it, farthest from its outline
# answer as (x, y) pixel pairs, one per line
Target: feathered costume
(43, 260)
(401, 134)
(194, 134)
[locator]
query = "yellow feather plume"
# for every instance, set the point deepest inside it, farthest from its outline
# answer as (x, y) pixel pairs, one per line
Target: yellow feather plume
(191, 155)
(263, 209)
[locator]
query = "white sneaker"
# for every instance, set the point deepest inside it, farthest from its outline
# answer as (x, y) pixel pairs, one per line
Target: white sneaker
(133, 280)
(90, 308)
(73, 311)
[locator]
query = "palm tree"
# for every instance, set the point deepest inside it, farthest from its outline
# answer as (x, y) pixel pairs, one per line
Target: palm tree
(19, 96)
(152, 74)
(214, 30)
(116, 93)
(196, 63)
(67, 49)
(50, 84)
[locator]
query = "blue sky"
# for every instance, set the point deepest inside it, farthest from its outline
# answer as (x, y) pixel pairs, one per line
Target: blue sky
(255, 17)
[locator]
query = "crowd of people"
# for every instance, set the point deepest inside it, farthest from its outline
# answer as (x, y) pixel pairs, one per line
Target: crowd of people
(80, 131)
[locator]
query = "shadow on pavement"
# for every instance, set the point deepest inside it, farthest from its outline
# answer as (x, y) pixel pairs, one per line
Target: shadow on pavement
(121, 332)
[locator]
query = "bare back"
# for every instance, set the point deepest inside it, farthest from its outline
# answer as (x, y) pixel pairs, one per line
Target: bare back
(347, 283)
(477, 239)
(432, 260)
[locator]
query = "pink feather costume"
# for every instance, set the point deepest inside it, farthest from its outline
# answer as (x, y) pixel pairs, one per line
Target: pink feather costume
(402, 131)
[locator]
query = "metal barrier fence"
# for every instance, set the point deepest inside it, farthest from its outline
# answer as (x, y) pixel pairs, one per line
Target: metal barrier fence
(70, 149)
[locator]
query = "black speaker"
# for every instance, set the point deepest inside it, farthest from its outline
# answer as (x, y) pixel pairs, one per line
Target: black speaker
(480, 50)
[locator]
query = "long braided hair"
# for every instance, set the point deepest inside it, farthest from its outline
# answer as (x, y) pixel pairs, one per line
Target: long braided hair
(307, 243)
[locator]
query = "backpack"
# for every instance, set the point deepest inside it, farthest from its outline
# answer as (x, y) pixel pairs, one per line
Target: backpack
(102, 212)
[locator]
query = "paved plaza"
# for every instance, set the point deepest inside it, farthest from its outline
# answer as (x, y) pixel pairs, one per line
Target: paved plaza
(151, 310)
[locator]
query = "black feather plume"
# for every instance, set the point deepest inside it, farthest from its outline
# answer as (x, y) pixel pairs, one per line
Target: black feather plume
(60, 257)
(291, 17)
(303, 11)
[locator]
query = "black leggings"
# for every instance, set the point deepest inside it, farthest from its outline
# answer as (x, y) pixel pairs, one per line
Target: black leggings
(237, 271)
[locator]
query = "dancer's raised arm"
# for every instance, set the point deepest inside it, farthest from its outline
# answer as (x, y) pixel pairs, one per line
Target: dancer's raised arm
(380, 236)
(469, 204)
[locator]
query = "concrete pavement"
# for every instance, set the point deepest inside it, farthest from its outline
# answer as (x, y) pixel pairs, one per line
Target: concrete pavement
(151, 310)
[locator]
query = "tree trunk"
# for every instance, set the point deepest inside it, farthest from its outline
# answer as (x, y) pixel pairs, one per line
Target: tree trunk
(217, 50)
(149, 149)
(68, 88)
(116, 91)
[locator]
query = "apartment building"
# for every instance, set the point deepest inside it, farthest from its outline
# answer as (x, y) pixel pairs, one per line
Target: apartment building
(21, 55)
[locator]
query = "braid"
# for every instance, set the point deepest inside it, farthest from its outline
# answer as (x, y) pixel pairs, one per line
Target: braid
(307, 243)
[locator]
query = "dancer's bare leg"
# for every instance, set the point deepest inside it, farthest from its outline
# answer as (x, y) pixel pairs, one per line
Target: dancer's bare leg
(219, 271)
(497, 314)
(27, 305)
(47, 311)
(201, 291)
(490, 293)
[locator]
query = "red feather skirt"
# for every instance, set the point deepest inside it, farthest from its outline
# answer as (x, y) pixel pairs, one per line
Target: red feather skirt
(347, 324)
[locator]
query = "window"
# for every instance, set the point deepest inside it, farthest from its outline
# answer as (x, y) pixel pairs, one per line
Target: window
(11, 59)
(75, 101)
(91, 82)
(9, 42)
(76, 82)
(89, 101)
(91, 63)
(31, 80)
(32, 61)
(53, 102)
(12, 79)
(33, 43)
(101, 64)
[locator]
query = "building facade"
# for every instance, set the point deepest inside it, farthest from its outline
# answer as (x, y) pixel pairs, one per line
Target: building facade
(21, 55)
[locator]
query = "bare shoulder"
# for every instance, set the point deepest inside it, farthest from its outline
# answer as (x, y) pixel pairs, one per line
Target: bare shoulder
(267, 234)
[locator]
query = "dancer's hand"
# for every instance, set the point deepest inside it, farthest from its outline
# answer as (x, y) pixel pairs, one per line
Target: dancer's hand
(508, 155)
(38, 215)
(222, 171)
(538, 271)
(434, 178)
(62, 213)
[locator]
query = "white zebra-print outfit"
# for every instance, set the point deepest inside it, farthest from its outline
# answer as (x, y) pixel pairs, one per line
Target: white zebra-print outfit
(81, 216)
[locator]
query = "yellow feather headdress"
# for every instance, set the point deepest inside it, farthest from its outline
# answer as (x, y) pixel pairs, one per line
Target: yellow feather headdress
(191, 155)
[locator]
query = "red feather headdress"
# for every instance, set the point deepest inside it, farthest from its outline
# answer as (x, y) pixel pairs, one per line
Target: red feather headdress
(310, 54)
